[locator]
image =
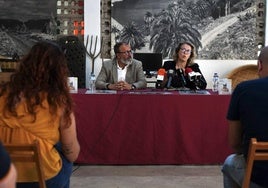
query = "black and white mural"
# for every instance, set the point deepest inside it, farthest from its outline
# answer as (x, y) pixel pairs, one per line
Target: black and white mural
(22, 23)
(220, 29)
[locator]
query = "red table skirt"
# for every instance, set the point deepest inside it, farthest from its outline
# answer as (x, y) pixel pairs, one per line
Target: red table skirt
(151, 128)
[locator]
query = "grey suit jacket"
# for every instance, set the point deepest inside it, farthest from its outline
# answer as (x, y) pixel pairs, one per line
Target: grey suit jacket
(108, 74)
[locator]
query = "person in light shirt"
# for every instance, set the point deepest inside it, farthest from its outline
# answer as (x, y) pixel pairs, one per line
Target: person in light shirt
(122, 72)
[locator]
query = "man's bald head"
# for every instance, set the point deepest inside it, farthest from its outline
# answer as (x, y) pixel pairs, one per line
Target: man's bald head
(263, 62)
(264, 55)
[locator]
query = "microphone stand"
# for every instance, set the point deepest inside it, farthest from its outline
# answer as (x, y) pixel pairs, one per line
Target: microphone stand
(196, 81)
(183, 81)
(170, 74)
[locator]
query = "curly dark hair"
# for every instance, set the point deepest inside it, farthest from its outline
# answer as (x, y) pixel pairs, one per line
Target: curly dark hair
(192, 56)
(42, 74)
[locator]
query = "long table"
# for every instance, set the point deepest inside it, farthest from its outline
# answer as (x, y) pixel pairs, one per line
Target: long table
(151, 128)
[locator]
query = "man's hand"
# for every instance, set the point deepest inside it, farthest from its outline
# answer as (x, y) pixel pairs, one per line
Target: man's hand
(121, 85)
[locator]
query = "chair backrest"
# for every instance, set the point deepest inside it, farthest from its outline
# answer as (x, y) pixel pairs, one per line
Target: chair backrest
(258, 151)
(243, 73)
(28, 153)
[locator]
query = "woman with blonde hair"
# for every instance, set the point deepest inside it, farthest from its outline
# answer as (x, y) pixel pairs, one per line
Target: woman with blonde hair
(180, 67)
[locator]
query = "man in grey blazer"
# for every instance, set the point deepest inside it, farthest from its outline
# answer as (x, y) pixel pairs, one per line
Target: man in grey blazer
(122, 72)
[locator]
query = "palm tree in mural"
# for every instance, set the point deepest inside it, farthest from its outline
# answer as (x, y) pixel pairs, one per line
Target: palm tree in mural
(133, 35)
(172, 26)
(116, 33)
(202, 9)
(148, 19)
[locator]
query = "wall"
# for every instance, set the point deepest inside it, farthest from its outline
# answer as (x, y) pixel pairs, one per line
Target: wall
(92, 27)
(208, 67)
(222, 67)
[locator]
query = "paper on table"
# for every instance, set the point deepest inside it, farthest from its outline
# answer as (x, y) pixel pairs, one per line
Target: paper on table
(194, 92)
(73, 84)
(225, 86)
(101, 92)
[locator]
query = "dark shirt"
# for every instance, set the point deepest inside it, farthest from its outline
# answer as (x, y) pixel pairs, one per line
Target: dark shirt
(4, 161)
(180, 79)
(249, 104)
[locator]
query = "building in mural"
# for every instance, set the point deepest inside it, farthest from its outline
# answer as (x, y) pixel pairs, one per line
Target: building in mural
(22, 23)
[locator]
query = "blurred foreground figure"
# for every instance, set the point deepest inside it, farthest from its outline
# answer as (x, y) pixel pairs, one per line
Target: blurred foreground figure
(36, 105)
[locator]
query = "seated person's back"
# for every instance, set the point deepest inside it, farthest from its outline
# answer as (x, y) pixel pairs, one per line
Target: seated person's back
(36, 105)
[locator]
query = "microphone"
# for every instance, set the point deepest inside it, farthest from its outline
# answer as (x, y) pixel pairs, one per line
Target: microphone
(193, 76)
(160, 77)
(160, 74)
(170, 76)
(188, 70)
(182, 77)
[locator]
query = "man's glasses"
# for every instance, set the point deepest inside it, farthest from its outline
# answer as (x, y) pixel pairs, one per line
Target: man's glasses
(185, 51)
(126, 52)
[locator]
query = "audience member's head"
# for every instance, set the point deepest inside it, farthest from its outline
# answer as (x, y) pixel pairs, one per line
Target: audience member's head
(43, 69)
(263, 62)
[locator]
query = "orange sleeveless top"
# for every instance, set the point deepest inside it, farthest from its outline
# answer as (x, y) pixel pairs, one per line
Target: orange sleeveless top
(22, 129)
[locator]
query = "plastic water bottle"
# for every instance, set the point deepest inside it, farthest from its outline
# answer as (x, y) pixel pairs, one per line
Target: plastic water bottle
(215, 82)
(92, 80)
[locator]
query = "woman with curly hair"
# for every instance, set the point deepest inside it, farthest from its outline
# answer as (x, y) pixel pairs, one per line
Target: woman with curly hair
(36, 105)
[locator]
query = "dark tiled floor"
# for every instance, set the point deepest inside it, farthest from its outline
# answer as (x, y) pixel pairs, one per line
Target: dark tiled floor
(159, 176)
